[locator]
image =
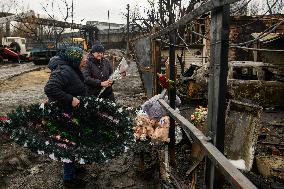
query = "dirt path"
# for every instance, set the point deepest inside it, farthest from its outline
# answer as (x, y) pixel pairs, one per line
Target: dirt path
(21, 169)
(11, 70)
(22, 90)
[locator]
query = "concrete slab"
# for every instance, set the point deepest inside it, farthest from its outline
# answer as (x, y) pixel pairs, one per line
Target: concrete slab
(271, 166)
(242, 125)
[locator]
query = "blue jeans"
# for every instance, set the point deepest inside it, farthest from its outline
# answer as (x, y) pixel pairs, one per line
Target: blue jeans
(68, 171)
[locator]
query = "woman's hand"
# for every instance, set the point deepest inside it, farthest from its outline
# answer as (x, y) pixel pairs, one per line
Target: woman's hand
(75, 102)
(106, 83)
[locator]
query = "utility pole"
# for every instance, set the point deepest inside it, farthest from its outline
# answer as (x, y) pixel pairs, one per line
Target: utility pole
(72, 15)
(127, 45)
(8, 29)
(172, 92)
(108, 27)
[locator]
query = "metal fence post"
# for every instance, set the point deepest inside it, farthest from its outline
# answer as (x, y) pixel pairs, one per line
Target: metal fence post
(156, 63)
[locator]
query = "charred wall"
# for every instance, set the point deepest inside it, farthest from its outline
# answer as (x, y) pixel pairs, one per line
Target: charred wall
(241, 28)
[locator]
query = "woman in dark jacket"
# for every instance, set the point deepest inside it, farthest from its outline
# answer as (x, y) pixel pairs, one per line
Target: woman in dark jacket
(97, 72)
(65, 83)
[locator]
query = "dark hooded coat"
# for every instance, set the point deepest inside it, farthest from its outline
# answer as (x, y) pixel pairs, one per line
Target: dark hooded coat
(95, 72)
(65, 82)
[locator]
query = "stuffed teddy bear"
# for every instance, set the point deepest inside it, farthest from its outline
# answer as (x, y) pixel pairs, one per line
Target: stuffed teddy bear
(161, 133)
(144, 127)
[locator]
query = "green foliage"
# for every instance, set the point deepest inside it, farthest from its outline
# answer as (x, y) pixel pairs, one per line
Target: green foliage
(95, 131)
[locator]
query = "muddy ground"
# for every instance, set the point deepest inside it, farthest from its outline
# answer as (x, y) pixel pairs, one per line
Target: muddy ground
(20, 168)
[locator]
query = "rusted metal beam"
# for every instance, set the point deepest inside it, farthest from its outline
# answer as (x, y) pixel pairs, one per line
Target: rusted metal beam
(18, 17)
(232, 174)
(30, 17)
(56, 23)
(193, 15)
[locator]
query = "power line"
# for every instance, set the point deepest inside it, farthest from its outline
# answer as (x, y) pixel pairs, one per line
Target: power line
(257, 49)
(262, 35)
(258, 18)
(239, 9)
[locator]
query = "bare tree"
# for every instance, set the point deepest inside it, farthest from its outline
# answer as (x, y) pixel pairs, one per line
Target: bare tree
(254, 8)
(240, 7)
(277, 9)
(7, 5)
(38, 30)
(266, 7)
(52, 9)
(5, 8)
(164, 12)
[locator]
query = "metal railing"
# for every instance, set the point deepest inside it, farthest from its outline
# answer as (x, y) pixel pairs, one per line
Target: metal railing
(219, 45)
(232, 174)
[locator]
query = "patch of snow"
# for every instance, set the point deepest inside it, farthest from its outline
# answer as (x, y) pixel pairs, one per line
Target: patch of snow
(126, 149)
(178, 135)
(251, 156)
(40, 152)
(120, 110)
(51, 156)
(65, 160)
(82, 161)
(239, 164)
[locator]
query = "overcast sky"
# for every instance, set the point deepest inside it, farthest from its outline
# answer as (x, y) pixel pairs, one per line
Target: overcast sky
(86, 10)
(89, 9)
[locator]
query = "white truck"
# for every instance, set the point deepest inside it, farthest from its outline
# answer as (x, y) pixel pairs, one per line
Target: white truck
(13, 49)
(17, 44)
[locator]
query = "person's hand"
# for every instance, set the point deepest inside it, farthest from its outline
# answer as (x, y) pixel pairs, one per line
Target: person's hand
(106, 83)
(75, 102)
(110, 82)
(46, 101)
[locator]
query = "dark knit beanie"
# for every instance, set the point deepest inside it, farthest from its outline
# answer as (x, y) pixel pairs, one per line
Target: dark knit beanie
(98, 48)
(72, 55)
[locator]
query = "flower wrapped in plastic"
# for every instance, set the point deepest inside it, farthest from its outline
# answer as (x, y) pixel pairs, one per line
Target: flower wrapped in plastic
(119, 73)
(165, 82)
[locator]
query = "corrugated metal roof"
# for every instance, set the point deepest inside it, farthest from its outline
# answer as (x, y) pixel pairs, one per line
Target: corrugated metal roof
(267, 37)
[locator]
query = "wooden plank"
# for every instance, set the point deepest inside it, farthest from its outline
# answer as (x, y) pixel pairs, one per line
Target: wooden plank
(193, 15)
(232, 174)
(172, 92)
(217, 86)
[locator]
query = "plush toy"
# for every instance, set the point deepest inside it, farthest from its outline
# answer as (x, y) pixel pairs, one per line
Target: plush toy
(154, 123)
(144, 127)
(161, 133)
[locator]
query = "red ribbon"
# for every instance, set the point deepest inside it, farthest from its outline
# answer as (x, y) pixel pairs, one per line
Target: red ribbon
(4, 119)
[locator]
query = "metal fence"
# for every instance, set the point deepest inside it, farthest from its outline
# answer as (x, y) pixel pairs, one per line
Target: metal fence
(213, 146)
